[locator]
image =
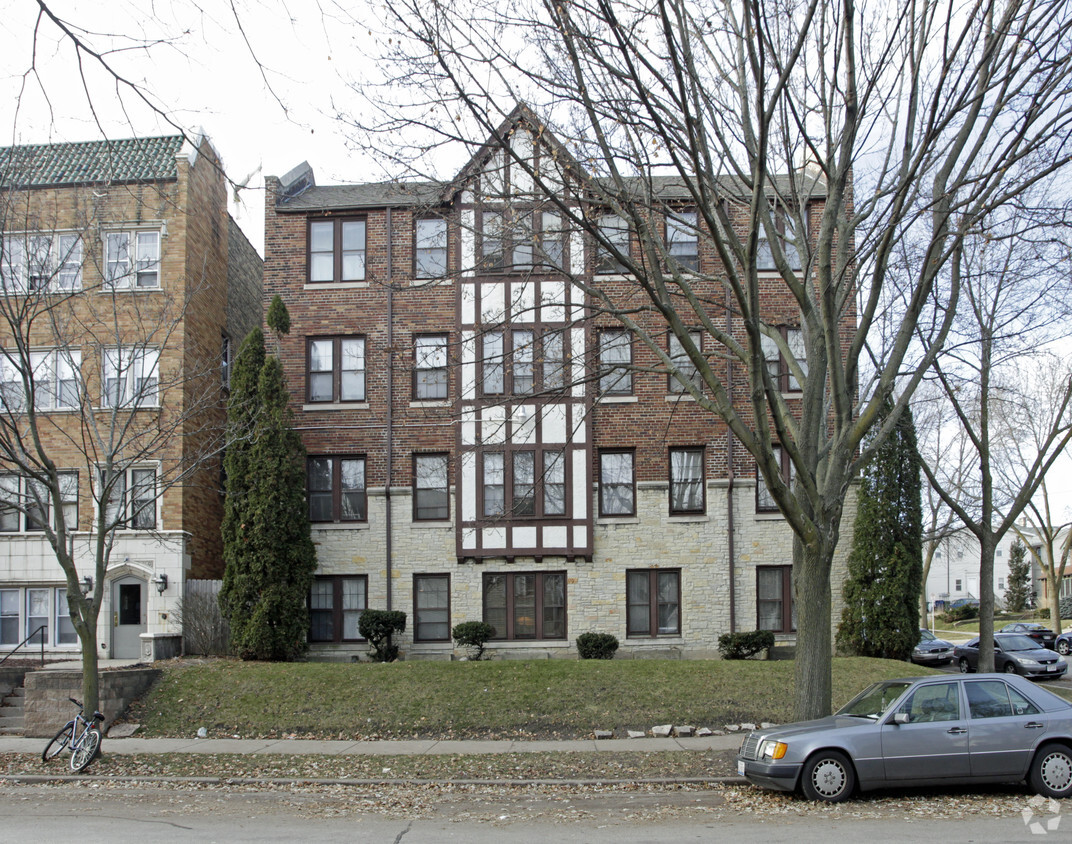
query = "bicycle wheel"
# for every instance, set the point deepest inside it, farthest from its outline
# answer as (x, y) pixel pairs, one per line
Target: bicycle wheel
(59, 743)
(86, 750)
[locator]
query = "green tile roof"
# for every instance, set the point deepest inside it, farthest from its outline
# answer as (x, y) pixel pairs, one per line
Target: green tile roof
(90, 162)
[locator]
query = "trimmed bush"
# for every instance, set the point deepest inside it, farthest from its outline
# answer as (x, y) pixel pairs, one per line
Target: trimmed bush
(744, 645)
(378, 626)
(1066, 607)
(472, 635)
(966, 612)
(596, 646)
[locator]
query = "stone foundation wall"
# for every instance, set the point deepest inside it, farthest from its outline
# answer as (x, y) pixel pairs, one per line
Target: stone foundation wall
(47, 707)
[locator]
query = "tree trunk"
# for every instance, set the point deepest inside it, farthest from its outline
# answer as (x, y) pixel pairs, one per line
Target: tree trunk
(1053, 601)
(987, 545)
(814, 646)
(924, 621)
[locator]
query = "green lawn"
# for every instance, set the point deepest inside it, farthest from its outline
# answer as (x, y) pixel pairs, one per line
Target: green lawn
(501, 699)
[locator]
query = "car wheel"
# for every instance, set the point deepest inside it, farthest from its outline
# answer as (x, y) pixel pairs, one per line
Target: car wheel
(829, 777)
(1010, 668)
(964, 667)
(1051, 771)
(1063, 647)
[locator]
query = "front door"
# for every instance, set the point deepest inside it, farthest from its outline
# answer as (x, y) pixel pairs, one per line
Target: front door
(128, 617)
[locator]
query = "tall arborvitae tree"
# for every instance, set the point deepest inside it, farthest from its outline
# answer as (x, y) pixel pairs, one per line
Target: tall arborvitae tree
(881, 615)
(268, 550)
(1018, 595)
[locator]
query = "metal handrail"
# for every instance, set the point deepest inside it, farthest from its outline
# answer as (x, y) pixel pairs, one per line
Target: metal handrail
(27, 639)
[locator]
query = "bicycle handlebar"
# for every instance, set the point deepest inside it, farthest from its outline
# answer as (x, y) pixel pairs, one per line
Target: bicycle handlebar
(77, 703)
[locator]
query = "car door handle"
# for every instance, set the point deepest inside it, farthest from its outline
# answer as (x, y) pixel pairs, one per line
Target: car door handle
(1032, 725)
(956, 731)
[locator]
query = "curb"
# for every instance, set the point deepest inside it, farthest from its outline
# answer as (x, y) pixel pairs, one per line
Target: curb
(39, 779)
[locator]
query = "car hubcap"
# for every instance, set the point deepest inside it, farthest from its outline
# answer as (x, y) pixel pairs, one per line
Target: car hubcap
(1057, 771)
(964, 666)
(828, 778)
(1062, 648)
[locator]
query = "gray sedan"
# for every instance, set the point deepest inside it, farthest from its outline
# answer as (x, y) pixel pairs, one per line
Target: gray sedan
(921, 731)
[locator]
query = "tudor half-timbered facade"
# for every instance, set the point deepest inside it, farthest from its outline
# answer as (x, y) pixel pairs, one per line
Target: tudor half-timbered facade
(487, 442)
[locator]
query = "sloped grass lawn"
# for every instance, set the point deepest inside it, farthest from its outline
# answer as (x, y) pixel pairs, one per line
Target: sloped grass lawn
(502, 699)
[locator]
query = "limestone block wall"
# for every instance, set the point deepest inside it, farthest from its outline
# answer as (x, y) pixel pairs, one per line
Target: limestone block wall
(47, 707)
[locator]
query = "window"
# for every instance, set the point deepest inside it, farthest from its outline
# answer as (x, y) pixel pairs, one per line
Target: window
(776, 363)
(431, 500)
(653, 602)
(686, 480)
(51, 262)
(615, 360)
(336, 251)
(956, 585)
(132, 259)
(522, 369)
(494, 484)
(529, 605)
(493, 363)
(431, 608)
(55, 380)
(335, 606)
(786, 230)
(933, 703)
(617, 490)
(225, 362)
(34, 503)
(506, 241)
(430, 367)
(683, 369)
(774, 599)
(1001, 583)
(23, 611)
(132, 501)
(614, 243)
(554, 483)
(130, 377)
(765, 502)
(524, 483)
(335, 369)
(430, 248)
(554, 360)
(336, 489)
(492, 240)
(552, 241)
(995, 699)
(683, 240)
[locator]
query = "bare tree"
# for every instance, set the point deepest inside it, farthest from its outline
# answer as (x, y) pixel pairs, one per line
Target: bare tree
(817, 139)
(102, 414)
(1014, 283)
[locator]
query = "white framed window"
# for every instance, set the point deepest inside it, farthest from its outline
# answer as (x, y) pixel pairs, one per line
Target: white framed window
(683, 239)
(41, 261)
(131, 502)
(25, 504)
(56, 379)
(24, 610)
(132, 259)
(130, 377)
(430, 248)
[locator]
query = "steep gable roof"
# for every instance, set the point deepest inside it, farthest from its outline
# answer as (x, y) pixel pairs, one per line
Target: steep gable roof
(90, 162)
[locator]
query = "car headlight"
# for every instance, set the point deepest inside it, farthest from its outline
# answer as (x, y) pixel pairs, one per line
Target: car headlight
(1023, 660)
(772, 749)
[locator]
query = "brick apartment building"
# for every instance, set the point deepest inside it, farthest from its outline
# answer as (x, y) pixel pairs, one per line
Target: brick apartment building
(483, 444)
(125, 285)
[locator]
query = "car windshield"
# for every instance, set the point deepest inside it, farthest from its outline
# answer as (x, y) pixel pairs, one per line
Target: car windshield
(926, 636)
(874, 701)
(1017, 643)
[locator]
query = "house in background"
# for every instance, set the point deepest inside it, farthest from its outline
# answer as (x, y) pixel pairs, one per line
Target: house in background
(954, 573)
(126, 284)
(484, 445)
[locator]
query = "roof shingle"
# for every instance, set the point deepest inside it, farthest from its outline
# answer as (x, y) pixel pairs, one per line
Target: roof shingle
(90, 162)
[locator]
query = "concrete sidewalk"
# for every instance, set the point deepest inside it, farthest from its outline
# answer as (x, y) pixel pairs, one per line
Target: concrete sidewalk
(417, 747)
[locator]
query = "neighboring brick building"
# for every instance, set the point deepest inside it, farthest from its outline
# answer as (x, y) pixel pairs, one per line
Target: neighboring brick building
(125, 285)
(483, 445)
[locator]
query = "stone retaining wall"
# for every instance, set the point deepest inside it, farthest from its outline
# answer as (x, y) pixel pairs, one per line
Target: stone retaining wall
(47, 707)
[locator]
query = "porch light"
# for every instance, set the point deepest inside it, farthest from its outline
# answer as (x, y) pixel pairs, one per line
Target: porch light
(87, 584)
(160, 582)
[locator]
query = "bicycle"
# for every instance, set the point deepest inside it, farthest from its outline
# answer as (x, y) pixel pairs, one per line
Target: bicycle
(80, 735)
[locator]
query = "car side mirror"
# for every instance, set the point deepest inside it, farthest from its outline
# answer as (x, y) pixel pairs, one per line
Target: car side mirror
(900, 718)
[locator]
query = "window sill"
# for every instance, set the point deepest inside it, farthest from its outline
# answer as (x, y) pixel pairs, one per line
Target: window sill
(431, 403)
(673, 397)
(769, 517)
(617, 399)
(126, 407)
(685, 518)
(527, 643)
(104, 288)
(659, 640)
(339, 526)
(335, 285)
(617, 520)
(433, 524)
(347, 405)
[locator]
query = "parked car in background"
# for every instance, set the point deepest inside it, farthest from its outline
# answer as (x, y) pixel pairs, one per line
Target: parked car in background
(931, 650)
(1014, 653)
(1039, 632)
(1063, 644)
(933, 730)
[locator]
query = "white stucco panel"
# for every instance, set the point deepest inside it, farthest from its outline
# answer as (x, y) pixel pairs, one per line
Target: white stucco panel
(523, 301)
(468, 373)
(554, 423)
(580, 537)
(469, 539)
(555, 536)
(525, 537)
(553, 301)
(492, 306)
(579, 433)
(468, 241)
(493, 425)
(468, 426)
(524, 424)
(580, 484)
(494, 537)
(468, 303)
(469, 487)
